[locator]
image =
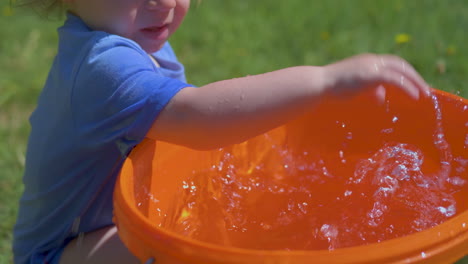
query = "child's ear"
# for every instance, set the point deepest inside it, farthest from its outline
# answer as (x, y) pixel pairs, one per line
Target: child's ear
(68, 3)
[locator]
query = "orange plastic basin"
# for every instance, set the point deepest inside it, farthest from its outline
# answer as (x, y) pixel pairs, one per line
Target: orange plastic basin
(322, 169)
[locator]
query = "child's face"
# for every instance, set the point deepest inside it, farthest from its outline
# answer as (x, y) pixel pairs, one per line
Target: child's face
(147, 22)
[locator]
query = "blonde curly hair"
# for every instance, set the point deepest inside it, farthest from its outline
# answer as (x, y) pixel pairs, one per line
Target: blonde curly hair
(43, 7)
(46, 7)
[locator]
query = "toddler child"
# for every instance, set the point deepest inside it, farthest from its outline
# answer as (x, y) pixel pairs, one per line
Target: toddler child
(115, 81)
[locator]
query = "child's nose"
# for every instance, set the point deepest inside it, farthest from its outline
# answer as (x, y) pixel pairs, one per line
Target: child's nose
(160, 4)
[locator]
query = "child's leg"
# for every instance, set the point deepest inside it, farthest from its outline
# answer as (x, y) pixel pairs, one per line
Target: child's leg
(100, 246)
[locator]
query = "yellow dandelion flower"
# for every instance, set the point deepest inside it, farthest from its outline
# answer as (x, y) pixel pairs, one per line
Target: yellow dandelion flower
(7, 11)
(402, 38)
(451, 50)
(325, 35)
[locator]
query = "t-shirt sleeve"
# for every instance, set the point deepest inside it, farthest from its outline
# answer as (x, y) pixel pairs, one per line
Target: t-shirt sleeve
(117, 95)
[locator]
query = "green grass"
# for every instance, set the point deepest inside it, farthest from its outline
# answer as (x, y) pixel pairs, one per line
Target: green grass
(225, 39)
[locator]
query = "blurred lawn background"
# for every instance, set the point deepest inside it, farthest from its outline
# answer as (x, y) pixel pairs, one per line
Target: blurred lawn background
(224, 39)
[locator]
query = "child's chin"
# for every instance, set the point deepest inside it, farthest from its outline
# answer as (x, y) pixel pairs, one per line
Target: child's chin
(152, 48)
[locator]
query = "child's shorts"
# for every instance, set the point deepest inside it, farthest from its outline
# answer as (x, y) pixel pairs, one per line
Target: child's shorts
(51, 257)
(54, 256)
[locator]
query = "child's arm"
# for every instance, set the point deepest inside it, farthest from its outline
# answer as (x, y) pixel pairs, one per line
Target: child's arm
(232, 111)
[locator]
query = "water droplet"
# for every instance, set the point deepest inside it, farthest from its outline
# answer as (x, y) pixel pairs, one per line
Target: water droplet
(387, 130)
(447, 211)
(265, 226)
(302, 207)
(325, 172)
(329, 231)
(387, 106)
(423, 255)
(341, 154)
(395, 119)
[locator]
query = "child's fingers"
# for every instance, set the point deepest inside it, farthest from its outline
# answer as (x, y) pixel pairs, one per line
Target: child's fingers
(407, 72)
(368, 70)
(380, 94)
(397, 79)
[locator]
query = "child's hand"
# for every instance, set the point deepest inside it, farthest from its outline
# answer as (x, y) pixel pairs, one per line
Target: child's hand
(366, 71)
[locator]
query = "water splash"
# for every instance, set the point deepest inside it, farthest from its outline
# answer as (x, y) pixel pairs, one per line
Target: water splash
(279, 199)
(442, 145)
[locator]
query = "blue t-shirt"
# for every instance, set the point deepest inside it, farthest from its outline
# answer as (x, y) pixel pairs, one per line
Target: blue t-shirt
(100, 99)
